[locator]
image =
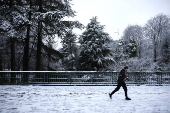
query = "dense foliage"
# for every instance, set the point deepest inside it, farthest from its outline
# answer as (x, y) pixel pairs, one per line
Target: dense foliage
(95, 53)
(29, 30)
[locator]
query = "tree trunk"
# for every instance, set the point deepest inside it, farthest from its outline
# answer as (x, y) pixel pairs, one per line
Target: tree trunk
(1, 63)
(26, 51)
(39, 43)
(13, 59)
(12, 39)
(26, 47)
(48, 54)
(155, 44)
(12, 54)
(39, 47)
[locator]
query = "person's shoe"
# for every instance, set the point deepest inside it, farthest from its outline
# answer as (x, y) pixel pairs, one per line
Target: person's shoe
(127, 98)
(110, 96)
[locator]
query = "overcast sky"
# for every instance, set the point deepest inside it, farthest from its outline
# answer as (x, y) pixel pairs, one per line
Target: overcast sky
(116, 15)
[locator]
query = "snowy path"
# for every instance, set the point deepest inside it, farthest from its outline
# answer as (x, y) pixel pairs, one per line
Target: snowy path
(83, 99)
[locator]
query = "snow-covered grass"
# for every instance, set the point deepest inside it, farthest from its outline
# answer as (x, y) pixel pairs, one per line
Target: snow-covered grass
(83, 99)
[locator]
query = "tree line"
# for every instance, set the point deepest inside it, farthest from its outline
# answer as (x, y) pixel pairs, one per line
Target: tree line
(29, 30)
(146, 48)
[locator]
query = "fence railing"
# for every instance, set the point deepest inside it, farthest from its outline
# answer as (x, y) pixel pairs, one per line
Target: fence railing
(80, 77)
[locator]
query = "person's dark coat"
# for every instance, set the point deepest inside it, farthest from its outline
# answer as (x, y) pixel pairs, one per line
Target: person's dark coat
(122, 75)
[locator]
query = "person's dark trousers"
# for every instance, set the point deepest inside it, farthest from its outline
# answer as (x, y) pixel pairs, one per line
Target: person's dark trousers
(123, 84)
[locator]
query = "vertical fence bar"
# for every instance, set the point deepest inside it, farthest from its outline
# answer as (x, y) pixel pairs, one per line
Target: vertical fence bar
(2, 78)
(112, 77)
(70, 78)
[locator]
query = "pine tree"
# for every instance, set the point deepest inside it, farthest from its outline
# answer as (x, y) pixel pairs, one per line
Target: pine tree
(119, 56)
(51, 22)
(32, 22)
(95, 55)
(70, 51)
(132, 40)
(12, 27)
(132, 49)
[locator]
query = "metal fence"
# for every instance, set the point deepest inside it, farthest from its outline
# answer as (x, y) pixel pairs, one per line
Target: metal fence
(80, 78)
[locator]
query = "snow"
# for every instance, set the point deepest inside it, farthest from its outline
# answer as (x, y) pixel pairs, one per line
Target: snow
(5, 25)
(83, 99)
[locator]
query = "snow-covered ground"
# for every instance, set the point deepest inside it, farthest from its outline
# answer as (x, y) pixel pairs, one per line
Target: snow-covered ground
(83, 99)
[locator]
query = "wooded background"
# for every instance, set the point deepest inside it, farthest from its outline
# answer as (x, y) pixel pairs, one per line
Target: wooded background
(29, 30)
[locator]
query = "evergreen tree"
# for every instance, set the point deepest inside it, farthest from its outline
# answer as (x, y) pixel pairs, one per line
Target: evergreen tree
(51, 22)
(95, 55)
(119, 55)
(28, 23)
(132, 49)
(12, 24)
(12, 27)
(132, 40)
(70, 51)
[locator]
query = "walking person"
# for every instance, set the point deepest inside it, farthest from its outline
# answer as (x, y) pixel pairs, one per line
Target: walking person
(121, 82)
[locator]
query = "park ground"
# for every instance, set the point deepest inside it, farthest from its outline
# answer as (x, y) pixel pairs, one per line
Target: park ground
(83, 99)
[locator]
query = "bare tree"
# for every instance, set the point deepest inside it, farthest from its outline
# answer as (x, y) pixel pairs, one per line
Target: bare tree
(165, 52)
(133, 35)
(155, 29)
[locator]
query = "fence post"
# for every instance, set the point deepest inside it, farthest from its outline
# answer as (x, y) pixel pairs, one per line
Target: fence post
(114, 74)
(23, 78)
(2, 78)
(159, 77)
(46, 78)
(91, 78)
(69, 78)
